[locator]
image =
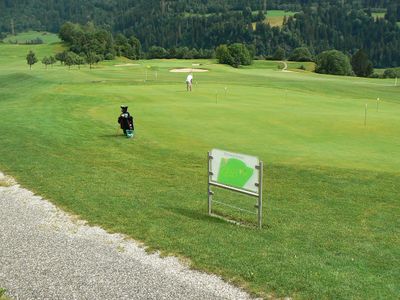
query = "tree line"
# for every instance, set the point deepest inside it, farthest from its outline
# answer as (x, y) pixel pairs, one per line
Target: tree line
(67, 58)
(89, 39)
(90, 44)
(328, 62)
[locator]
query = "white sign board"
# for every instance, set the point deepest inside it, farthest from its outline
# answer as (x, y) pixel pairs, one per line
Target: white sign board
(235, 170)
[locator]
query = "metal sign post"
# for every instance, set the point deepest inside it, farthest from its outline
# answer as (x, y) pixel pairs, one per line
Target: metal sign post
(209, 174)
(260, 185)
(238, 173)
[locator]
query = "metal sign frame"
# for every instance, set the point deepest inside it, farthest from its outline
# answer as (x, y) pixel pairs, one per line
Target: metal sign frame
(258, 195)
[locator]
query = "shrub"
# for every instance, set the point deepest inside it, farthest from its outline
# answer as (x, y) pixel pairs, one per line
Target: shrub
(279, 54)
(240, 55)
(374, 75)
(391, 73)
(333, 62)
(157, 52)
(61, 56)
(235, 55)
(109, 56)
(301, 54)
(223, 55)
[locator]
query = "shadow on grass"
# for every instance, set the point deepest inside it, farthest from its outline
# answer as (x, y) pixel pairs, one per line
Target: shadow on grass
(112, 136)
(196, 215)
(218, 218)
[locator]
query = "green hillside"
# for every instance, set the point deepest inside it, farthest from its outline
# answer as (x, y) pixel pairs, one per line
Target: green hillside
(320, 25)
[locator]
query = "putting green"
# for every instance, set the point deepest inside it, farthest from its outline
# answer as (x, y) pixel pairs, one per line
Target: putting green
(331, 182)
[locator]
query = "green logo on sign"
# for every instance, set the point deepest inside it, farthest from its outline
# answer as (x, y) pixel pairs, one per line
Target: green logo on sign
(234, 172)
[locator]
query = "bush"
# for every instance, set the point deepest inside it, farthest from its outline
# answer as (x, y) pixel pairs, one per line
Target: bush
(391, 73)
(109, 56)
(157, 52)
(240, 55)
(235, 55)
(279, 54)
(206, 53)
(92, 58)
(186, 53)
(301, 54)
(374, 75)
(61, 56)
(191, 54)
(180, 52)
(333, 62)
(70, 59)
(223, 55)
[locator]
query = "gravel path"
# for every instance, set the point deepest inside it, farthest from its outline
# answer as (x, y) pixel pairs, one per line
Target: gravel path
(46, 254)
(285, 67)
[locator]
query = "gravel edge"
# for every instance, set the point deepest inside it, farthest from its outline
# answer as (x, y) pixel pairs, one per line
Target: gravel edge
(50, 221)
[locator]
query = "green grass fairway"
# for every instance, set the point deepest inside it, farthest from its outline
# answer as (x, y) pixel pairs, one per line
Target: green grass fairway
(275, 17)
(378, 15)
(331, 210)
(22, 38)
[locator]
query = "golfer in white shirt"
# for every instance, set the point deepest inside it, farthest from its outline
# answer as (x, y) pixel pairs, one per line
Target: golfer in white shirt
(189, 82)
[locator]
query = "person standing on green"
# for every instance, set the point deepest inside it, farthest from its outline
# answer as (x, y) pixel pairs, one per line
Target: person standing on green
(189, 82)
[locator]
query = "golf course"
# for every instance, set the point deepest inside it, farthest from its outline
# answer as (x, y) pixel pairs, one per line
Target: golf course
(330, 148)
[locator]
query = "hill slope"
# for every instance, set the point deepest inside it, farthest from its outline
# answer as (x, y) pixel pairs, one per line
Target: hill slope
(320, 25)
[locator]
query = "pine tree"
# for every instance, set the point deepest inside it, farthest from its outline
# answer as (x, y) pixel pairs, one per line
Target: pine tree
(361, 64)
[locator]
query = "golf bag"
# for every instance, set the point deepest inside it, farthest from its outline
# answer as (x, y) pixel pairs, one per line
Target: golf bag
(125, 120)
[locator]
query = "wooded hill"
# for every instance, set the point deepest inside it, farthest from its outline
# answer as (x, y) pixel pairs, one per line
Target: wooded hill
(319, 25)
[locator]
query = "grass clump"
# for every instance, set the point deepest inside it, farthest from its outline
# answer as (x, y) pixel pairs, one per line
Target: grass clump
(6, 181)
(3, 294)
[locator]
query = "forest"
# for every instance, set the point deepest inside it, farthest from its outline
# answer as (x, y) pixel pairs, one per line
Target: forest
(201, 25)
